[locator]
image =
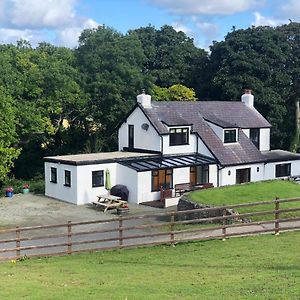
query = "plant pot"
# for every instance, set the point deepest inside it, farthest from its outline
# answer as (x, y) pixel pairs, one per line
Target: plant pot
(9, 194)
(25, 191)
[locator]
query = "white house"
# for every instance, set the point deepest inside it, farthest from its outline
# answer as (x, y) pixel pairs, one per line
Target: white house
(163, 144)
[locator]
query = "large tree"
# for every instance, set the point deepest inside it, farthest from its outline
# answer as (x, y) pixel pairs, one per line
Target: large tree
(172, 58)
(110, 64)
(256, 57)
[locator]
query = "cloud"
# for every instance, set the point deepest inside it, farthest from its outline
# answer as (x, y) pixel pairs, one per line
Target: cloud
(51, 20)
(206, 7)
(68, 37)
(45, 13)
(291, 9)
(260, 20)
(178, 26)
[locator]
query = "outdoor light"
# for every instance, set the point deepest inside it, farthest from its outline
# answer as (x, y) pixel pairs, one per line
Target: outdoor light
(145, 126)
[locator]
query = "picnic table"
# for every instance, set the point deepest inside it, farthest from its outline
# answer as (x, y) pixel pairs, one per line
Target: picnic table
(106, 202)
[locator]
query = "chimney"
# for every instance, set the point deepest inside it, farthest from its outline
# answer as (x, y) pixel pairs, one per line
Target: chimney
(248, 98)
(144, 99)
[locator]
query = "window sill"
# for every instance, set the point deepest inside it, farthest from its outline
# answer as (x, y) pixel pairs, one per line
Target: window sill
(67, 185)
(179, 145)
(97, 186)
(53, 182)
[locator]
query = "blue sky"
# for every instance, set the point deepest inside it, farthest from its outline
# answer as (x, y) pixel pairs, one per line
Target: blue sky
(61, 21)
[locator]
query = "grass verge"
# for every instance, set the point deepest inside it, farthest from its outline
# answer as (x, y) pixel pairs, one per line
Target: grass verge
(252, 192)
(261, 267)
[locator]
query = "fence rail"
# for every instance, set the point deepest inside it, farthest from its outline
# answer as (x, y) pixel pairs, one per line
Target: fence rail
(132, 231)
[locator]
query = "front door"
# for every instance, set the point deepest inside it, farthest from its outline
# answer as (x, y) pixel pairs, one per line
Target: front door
(243, 175)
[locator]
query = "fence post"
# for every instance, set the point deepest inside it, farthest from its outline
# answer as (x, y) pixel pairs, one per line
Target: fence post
(120, 232)
(69, 226)
(224, 224)
(277, 216)
(172, 229)
(18, 242)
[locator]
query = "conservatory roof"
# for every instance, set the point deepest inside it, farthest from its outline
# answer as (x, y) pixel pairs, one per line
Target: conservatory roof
(167, 162)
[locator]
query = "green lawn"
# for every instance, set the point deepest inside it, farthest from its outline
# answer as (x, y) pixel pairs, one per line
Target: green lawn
(262, 267)
(252, 192)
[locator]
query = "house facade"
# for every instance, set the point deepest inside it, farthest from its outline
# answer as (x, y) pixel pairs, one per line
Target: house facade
(162, 144)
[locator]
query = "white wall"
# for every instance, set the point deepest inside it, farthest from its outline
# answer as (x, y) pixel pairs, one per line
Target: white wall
(213, 175)
(129, 178)
(217, 129)
(87, 193)
(264, 139)
(58, 190)
(270, 169)
(202, 149)
(190, 148)
(247, 132)
(225, 179)
(143, 139)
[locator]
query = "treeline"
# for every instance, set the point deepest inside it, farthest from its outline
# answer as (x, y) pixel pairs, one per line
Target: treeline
(55, 100)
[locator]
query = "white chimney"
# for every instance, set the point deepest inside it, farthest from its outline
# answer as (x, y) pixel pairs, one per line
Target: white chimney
(248, 98)
(144, 99)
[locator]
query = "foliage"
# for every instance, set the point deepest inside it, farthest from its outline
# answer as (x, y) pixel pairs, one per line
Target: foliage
(36, 185)
(110, 65)
(260, 267)
(171, 57)
(257, 57)
(177, 92)
(8, 153)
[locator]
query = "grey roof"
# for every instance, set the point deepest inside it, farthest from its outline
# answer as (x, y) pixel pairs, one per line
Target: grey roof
(232, 114)
(279, 155)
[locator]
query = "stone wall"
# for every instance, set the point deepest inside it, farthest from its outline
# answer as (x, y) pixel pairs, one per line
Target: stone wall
(185, 204)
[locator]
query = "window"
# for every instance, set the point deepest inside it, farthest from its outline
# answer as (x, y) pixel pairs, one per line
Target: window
(53, 175)
(230, 136)
(130, 136)
(254, 136)
(199, 174)
(283, 170)
(179, 136)
(162, 178)
(67, 178)
(97, 178)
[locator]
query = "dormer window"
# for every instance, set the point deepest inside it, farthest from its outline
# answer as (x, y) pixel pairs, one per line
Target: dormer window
(230, 136)
(179, 136)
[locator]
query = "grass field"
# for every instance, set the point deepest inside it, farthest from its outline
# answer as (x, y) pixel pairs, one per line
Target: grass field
(262, 267)
(252, 192)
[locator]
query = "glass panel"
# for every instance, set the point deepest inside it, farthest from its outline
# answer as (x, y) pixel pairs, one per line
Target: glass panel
(67, 178)
(53, 175)
(230, 136)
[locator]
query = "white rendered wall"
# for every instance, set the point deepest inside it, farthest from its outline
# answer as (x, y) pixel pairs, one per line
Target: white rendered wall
(58, 190)
(264, 139)
(190, 148)
(129, 178)
(202, 149)
(143, 139)
(87, 193)
(247, 132)
(270, 169)
(225, 179)
(213, 175)
(217, 130)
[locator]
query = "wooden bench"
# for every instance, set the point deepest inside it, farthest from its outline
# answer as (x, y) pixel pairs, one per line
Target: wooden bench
(182, 188)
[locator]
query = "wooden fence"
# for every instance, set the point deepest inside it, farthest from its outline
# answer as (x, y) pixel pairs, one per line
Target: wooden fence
(142, 230)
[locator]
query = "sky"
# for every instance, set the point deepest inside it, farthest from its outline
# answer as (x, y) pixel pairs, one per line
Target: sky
(60, 22)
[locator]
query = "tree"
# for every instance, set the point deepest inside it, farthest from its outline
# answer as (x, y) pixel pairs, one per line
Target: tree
(8, 153)
(255, 57)
(172, 57)
(110, 64)
(177, 92)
